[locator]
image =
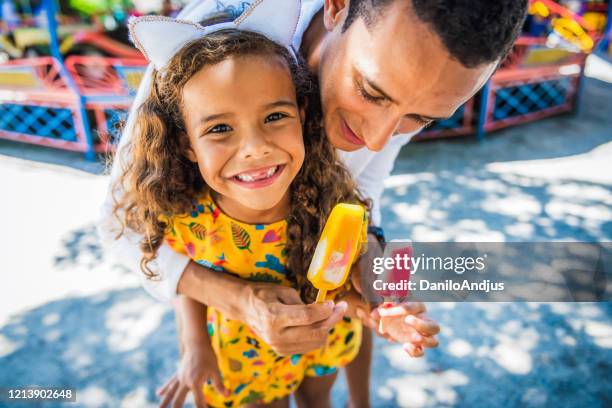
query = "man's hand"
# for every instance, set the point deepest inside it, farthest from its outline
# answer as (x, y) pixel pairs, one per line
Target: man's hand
(278, 315)
(198, 365)
(274, 312)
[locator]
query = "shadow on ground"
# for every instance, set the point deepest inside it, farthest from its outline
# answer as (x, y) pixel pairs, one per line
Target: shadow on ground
(481, 205)
(42, 154)
(502, 355)
(115, 347)
(452, 191)
(80, 247)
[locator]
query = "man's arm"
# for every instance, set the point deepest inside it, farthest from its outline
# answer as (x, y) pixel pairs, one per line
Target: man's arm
(169, 265)
(126, 251)
(229, 294)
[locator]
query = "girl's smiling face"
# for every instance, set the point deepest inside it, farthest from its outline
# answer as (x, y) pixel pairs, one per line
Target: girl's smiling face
(245, 131)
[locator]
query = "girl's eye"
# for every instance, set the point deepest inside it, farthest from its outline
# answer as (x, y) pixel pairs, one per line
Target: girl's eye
(368, 97)
(275, 116)
(220, 129)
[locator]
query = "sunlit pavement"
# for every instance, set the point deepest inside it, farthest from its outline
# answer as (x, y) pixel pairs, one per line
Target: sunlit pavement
(69, 317)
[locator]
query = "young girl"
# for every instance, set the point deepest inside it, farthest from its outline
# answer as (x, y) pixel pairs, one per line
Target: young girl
(229, 166)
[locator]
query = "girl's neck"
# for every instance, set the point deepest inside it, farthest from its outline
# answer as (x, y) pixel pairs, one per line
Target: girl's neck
(234, 209)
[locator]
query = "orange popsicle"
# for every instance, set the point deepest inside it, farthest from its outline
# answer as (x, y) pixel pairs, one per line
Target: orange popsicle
(336, 249)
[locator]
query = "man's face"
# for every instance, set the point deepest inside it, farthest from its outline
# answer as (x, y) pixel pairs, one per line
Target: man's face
(392, 77)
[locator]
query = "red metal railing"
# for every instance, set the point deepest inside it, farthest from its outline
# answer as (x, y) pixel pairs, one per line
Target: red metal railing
(105, 76)
(38, 106)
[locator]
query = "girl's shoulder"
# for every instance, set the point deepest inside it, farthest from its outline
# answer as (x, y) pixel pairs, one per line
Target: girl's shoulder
(201, 205)
(204, 210)
(215, 240)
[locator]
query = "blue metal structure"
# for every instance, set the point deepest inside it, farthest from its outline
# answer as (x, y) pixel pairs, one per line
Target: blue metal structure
(55, 123)
(482, 112)
(607, 37)
(50, 10)
(526, 98)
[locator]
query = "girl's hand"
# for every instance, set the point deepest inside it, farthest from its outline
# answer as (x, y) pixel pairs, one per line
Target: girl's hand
(407, 323)
(198, 365)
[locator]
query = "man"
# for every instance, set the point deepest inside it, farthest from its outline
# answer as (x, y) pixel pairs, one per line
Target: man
(386, 69)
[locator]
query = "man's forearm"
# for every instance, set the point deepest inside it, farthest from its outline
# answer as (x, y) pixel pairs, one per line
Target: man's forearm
(215, 289)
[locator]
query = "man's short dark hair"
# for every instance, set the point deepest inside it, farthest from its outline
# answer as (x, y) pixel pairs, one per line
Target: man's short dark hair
(474, 32)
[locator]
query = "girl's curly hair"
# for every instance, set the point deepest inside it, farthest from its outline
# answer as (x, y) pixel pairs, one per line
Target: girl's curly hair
(159, 181)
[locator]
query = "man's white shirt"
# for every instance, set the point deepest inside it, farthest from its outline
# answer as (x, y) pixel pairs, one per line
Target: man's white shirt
(368, 168)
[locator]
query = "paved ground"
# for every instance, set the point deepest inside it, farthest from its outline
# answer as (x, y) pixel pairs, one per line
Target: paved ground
(68, 317)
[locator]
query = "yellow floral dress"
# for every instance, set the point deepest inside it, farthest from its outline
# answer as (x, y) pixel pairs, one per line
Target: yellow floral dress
(251, 370)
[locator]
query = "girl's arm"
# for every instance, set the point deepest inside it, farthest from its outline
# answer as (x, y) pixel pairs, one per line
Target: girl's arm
(198, 362)
(193, 322)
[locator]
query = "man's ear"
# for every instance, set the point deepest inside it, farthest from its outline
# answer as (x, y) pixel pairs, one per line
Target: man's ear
(334, 13)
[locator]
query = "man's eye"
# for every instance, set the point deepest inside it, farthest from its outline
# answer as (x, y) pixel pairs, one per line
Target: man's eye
(423, 122)
(220, 129)
(275, 116)
(368, 97)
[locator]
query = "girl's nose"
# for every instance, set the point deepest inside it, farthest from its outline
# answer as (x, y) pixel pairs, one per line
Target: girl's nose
(255, 145)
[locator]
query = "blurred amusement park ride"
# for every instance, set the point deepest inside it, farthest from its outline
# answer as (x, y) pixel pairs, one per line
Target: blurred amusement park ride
(86, 28)
(68, 74)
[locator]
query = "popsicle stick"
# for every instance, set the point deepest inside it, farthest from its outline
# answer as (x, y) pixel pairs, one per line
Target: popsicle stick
(321, 296)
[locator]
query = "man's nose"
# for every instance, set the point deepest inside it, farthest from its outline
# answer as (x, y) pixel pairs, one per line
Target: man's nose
(380, 132)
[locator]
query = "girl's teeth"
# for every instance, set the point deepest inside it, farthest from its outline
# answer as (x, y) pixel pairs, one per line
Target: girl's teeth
(249, 178)
(245, 177)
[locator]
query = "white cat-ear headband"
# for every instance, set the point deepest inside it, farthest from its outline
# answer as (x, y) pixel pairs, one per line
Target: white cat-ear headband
(160, 38)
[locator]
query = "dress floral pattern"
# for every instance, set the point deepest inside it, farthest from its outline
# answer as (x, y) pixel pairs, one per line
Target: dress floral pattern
(251, 370)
